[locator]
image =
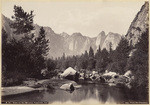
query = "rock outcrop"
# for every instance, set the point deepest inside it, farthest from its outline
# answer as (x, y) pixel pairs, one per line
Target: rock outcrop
(113, 39)
(100, 39)
(138, 25)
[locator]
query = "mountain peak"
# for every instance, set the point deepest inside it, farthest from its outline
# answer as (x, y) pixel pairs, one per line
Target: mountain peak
(77, 34)
(64, 34)
(102, 33)
(113, 38)
(112, 34)
(100, 39)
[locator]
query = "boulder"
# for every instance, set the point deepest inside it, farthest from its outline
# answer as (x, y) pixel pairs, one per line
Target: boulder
(68, 87)
(118, 79)
(109, 74)
(48, 86)
(102, 80)
(70, 74)
(68, 71)
(128, 74)
(44, 72)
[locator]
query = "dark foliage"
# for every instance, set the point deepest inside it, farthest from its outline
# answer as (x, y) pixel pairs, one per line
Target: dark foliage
(138, 63)
(26, 56)
(22, 21)
(120, 56)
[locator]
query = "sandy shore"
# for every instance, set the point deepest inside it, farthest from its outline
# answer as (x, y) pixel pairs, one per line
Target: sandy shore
(16, 90)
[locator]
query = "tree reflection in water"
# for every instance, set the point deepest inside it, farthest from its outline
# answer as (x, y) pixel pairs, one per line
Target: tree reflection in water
(102, 93)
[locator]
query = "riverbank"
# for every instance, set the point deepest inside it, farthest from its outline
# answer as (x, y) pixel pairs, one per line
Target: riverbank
(16, 90)
(43, 84)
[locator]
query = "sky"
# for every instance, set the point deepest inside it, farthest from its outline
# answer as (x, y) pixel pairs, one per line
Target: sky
(88, 18)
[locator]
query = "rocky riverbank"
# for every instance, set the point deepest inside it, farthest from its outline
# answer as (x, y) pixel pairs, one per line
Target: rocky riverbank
(30, 86)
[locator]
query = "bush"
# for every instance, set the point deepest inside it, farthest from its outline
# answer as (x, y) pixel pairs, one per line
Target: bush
(11, 79)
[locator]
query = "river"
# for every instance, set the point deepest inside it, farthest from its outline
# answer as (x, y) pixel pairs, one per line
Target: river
(100, 93)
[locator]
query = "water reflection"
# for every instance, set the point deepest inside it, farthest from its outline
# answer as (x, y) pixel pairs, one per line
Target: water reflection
(102, 93)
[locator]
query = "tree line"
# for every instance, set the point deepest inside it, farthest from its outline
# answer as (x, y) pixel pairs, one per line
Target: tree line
(101, 60)
(25, 57)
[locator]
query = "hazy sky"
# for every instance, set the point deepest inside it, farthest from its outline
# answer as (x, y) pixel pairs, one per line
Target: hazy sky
(88, 18)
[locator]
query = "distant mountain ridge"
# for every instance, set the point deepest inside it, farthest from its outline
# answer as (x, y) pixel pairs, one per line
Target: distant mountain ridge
(74, 44)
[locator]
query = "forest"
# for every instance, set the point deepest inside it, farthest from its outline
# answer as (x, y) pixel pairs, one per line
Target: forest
(25, 58)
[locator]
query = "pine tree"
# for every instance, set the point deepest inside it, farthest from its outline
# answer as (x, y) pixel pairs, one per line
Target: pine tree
(91, 53)
(110, 48)
(86, 55)
(122, 51)
(91, 61)
(4, 55)
(30, 52)
(84, 62)
(120, 56)
(23, 21)
(4, 37)
(51, 65)
(39, 52)
(41, 43)
(138, 62)
(139, 65)
(104, 59)
(98, 53)
(98, 58)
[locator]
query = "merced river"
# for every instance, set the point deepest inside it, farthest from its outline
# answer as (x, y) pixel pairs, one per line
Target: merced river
(99, 93)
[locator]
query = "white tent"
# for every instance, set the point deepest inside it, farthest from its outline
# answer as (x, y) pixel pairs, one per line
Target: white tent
(68, 71)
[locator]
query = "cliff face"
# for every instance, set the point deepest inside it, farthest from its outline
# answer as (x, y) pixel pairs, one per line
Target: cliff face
(77, 43)
(100, 39)
(138, 25)
(74, 44)
(5, 24)
(111, 38)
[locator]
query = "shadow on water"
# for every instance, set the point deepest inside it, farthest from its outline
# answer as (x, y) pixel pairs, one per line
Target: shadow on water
(102, 93)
